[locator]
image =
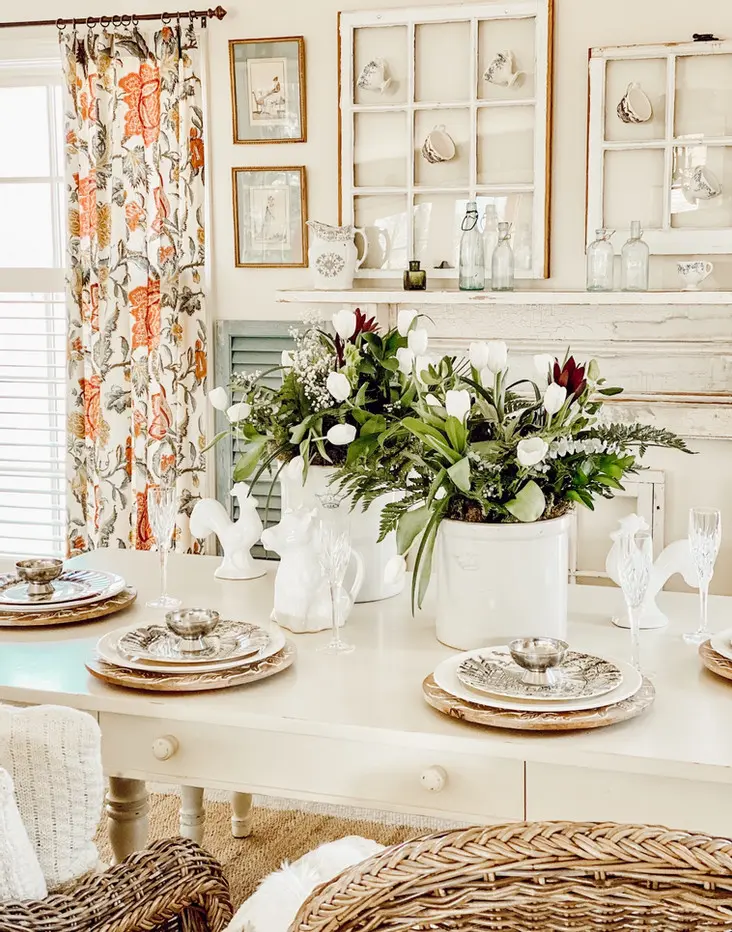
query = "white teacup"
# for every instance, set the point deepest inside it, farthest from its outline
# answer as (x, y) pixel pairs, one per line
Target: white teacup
(701, 184)
(502, 70)
(374, 76)
(438, 146)
(693, 273)
(634, 106)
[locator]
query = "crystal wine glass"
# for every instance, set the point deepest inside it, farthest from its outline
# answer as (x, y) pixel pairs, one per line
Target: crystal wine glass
(705, 536)
(634, 570)
(334, 553)
(162, 508)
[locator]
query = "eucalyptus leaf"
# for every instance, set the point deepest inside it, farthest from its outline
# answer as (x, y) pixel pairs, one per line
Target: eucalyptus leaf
(529, 504)
(411, 524)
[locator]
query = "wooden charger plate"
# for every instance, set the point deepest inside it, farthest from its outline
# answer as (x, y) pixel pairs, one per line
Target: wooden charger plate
(538, 721)
(714, 661)
(192, 682)
(69, 616)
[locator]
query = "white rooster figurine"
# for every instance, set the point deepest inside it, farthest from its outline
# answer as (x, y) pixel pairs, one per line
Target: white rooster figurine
(236, 537)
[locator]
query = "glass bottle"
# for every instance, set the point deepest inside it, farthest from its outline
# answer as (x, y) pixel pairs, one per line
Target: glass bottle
(471, 272)
(634, 261)
(490, 235)
(601, 262)
(502, 264)
(415, 278)
(522, 252)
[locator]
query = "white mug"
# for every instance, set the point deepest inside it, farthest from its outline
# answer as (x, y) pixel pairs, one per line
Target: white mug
(502, 70)
(438, 146)
(634, 106)
(693, 273)
(374, 76)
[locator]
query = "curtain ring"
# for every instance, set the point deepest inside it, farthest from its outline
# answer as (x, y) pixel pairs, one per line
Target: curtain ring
(104, 21)
(60, 25)
(91, 22)
(125, 20)
(166, 18)
(135, 20)
(116, 21)
(191, 15)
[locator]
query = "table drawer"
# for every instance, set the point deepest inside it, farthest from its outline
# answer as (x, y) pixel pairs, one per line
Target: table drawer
(461, 786)
(576, 794)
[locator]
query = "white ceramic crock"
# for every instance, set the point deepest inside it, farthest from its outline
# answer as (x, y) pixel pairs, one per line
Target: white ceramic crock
(501, 581)
(377, 582)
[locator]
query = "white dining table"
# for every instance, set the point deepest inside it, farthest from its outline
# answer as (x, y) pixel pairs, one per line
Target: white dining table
(355, 729)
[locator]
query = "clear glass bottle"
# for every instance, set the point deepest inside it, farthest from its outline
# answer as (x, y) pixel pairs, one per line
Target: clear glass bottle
(490, 236)
(634, 261)
(601, 262)
(471, 271)
(502, 264)
(522, 251)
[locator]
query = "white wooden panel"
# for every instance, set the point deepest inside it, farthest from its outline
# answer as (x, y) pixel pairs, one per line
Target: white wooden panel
(555, 792)
(478, 787)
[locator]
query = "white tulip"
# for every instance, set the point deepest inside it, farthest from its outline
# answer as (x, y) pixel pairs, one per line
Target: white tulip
(458, 403)
(218, 398)
(417, 341)
(497, 356)
(478, 355)
(239, 412)
(421, 364)
(395, 569)
(531, 451)
(554, 397)
(405, 320)
(432, 401)
(440, 493)
(543, 363)
(338, 385)
(341, 434)
(286, 359)
(344, 323)
(486, 378)
(405, 358)
(295, 469)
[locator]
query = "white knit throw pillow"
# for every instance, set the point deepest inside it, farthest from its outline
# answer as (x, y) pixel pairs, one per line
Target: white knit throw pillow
(54, 757)
(21, 877)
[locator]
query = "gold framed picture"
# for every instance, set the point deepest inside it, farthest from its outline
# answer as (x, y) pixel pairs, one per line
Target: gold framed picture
(270, 206)
(268, 90)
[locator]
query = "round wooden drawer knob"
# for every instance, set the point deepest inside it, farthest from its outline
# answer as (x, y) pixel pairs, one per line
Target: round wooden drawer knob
(164, 748)
(433, 779)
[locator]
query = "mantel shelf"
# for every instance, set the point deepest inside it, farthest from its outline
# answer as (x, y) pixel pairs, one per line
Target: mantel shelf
(527, 297)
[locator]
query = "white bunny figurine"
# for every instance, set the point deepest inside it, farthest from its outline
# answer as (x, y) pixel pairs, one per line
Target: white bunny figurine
(301, 595)
(236, 537)
(676, 558)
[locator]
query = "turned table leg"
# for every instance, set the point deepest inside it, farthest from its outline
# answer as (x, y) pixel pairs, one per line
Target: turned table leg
(127, 809)
(241, 815)
(192, 813)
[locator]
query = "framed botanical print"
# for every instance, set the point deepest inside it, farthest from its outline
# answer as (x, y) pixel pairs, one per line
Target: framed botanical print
(268, 89)
(269, 217)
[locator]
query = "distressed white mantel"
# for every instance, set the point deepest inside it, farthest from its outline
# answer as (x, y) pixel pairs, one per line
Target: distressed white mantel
(672, 351)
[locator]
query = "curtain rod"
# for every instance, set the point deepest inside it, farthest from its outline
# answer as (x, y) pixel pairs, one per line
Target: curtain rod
(124, 19)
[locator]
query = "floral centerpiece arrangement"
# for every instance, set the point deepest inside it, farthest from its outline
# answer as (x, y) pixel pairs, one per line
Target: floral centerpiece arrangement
(479, 449)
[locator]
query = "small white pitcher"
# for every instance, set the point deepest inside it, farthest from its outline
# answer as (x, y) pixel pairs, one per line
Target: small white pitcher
(333, 256)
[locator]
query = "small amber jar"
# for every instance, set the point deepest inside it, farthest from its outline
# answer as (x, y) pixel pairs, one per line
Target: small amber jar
(415, 278)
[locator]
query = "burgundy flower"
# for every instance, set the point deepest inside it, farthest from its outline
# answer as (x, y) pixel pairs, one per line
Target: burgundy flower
(364, 324)
(570, 376)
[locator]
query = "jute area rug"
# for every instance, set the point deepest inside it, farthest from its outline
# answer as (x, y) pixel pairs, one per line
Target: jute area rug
(278, 835)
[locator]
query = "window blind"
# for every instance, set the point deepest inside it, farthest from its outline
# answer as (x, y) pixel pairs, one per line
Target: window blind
(32, 310)
(248, 346)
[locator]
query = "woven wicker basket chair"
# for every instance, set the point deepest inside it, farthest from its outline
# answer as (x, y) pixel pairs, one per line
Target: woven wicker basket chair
(172, 886)
(547, 876)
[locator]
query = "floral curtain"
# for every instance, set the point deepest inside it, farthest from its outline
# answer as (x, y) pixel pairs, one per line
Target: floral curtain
(137, 356)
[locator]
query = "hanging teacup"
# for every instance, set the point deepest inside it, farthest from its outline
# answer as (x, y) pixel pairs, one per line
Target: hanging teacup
(374, 76)
(502, 70)
(438, 146)
(701, 184)
(634, 106)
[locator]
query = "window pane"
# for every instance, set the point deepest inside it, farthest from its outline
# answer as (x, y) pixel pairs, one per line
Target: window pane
(26, 226)
(24, 154)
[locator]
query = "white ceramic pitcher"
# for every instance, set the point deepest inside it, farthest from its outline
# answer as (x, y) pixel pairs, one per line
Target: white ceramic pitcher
(333, 255)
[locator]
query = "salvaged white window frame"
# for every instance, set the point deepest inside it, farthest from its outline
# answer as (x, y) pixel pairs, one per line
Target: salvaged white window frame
(473, 13)
(666, 240)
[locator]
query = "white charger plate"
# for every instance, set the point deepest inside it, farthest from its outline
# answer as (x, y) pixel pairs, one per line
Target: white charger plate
(722, 643)
(107, 650)
(101, 586)
(446, 678)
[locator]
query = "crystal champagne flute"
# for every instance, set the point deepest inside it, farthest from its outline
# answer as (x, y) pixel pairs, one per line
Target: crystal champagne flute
(705, 536)
(334, 553)
(162, 508)
(635, 560)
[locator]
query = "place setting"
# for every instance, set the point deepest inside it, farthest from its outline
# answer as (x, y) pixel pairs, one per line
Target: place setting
(40, 592)
(192, 651)
(537, 684)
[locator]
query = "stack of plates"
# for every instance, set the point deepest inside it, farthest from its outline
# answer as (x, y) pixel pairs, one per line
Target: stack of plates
(716, 654)
(486, 686)
(77, 595)
(150, 657)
